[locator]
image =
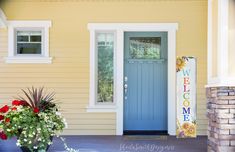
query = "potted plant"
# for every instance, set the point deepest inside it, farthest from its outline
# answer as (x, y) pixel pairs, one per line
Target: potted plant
(33, 120)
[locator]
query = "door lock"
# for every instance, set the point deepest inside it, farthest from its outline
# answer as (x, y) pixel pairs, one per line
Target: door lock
(125, 88)
(125, 79)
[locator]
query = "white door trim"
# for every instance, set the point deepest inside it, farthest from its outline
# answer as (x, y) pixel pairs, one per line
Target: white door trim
(120, 28)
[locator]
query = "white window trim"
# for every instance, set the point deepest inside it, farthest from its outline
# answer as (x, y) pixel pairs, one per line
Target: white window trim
(120, 28)
(93, 105)
(27, 25)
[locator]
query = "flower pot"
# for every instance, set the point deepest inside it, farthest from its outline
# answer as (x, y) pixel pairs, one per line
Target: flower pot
(26, 149)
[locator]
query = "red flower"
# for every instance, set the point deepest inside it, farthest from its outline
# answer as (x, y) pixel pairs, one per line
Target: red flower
(36, 110)
(7, 120)
(14, 108)
(1, 117)
(3, 136)
(4, 109)
(18, 103)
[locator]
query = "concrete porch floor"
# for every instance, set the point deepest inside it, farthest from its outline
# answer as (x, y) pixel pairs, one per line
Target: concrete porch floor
(121, 144)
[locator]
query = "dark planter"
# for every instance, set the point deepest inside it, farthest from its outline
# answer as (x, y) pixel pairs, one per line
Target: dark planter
(26, 149)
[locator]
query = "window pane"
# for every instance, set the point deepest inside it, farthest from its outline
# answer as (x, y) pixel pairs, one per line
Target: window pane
(105, 50)
(35, 38)
(145, 47)
(28, 48)
(22, 38)
(20, 33)
(29, 42)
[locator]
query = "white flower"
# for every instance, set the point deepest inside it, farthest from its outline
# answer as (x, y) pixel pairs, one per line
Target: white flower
(66, 125)
(49, 143)
(18, 143)
(33, 133)
(58, 113)
(35, 147)
(39, 139)
(30, 135)
(30, 142)
(25, 140)
(9, 130)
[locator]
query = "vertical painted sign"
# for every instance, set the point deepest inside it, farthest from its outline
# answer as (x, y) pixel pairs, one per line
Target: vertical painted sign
(186, 97)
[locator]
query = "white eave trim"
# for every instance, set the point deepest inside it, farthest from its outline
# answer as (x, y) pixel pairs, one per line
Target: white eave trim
(3, 19)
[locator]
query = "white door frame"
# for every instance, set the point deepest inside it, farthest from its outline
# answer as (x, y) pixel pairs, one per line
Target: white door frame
(120, 28)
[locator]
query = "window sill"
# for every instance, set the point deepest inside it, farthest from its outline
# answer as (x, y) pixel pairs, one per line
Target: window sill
(46, 60)
(102, 108)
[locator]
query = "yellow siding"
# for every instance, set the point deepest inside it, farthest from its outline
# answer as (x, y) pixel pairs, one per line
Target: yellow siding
(231, 38)
(214, 37)
(68, 75)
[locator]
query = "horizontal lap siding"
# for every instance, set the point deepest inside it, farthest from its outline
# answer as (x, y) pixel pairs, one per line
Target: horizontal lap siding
(68, 75)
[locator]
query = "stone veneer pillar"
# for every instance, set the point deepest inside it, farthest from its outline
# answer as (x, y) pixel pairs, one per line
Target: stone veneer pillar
(221, 115)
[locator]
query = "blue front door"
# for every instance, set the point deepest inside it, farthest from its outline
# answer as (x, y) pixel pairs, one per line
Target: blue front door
(145, 81)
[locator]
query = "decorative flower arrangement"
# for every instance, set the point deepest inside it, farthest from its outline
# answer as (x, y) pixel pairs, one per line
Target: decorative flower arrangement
(180, 63)
(34, 120)
(187, 129)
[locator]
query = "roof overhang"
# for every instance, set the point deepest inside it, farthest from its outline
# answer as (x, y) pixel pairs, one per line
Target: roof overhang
(3, 19)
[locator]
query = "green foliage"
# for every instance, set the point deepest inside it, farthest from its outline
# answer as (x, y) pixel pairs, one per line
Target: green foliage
(105, 73)
(37, 98)
(145, 48)
(33, 129)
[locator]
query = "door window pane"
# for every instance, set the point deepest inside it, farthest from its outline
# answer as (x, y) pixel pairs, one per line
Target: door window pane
(145, 47)
(105, 49)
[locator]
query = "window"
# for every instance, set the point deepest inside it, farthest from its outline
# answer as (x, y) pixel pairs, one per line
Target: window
(105, 49)
(28, 42)
(102, 59)
(145, 47)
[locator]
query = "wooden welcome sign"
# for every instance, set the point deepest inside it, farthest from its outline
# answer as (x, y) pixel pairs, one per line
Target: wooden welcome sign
(186, 97)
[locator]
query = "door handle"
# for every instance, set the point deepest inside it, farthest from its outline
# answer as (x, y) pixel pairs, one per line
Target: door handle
(125, 86)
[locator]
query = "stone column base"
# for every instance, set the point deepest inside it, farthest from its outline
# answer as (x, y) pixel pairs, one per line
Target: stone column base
(221, 115)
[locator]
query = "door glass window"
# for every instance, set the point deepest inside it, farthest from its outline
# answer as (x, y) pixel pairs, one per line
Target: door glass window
(145, 47)
(105, 49)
